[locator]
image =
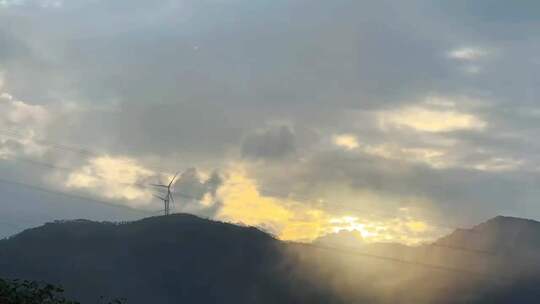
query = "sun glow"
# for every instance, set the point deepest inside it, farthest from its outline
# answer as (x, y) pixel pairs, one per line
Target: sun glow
(346, 141)
(293, 220)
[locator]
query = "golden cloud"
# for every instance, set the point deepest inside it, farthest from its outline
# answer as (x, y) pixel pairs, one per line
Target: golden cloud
(289, 220)
(298, 221)
(435, 158)
(242, 202)
(430, 120)
(347, 141)
(114, 178)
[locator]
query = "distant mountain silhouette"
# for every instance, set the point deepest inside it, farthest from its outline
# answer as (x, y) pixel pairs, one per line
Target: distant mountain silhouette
(174, 259)
(350, 238)
(501, 235)
(185, 259)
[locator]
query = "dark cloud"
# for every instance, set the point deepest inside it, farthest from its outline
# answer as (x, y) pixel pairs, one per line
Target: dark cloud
(274, 143)
(456, 195)
(190, 190)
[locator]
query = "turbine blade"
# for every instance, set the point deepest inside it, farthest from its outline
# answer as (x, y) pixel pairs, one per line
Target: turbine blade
(161, 198)
(174, 177)
(158, 185)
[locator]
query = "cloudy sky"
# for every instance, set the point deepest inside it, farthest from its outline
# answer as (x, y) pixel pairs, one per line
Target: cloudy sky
(399, 119)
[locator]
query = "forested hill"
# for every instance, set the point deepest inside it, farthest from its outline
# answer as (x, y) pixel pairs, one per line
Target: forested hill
(174, 259)
(185, 259)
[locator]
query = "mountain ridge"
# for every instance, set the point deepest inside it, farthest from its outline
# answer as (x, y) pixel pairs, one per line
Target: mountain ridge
(499, 235)
(184, 258)
(168, 259)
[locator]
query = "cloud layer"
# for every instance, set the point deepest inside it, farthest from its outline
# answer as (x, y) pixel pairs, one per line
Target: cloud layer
(324, 110)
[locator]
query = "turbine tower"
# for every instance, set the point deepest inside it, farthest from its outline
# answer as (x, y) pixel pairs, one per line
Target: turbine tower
(168, 199)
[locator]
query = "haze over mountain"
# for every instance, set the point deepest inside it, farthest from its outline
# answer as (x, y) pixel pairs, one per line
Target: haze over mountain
(186, 259)
(173, 259)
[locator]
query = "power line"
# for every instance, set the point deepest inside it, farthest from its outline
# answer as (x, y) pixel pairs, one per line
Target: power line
(328, 204)
(70, 148)
(16, 135)
(86, 152)
(71, 195)
(70, 169)
(335, 205)
(454, 248)
(331, 248)
(355, 252)
(461, 248)
(340, 206)
(197, 199)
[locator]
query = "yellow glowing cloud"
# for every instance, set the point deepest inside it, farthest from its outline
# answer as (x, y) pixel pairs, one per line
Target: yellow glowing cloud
(440, 158)
(417, 226)
(393, 229)
(241, 201)
(293, 220)
(498, 164)
(346, 141)
(429, 120)
(114, 178)
(289, 220)
(433, 157)
(350, 223)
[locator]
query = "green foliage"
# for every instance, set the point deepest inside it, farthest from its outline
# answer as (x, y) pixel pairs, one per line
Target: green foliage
(31, 292)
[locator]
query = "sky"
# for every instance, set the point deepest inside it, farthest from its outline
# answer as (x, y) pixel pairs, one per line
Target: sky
(398, 119)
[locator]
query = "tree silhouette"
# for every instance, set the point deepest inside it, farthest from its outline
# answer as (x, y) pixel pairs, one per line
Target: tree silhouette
(32, 292)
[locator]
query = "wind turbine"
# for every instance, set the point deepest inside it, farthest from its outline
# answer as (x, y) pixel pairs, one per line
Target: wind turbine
(169, 197)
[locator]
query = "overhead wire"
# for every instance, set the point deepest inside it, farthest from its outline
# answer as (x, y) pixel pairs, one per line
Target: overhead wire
(333, 205)
(71, 195)
(339, 249)
(360, 253)
(333, 248)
